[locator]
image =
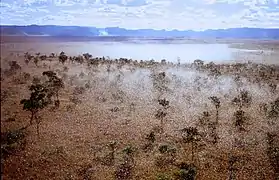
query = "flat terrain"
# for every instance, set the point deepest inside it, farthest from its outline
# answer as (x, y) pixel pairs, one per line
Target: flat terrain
(128, 119)
(220, 50)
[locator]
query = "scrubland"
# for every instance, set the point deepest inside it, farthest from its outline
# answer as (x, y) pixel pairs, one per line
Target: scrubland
(86, 117)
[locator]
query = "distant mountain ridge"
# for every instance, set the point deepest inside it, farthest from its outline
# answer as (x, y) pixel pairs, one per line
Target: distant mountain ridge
(78, 31)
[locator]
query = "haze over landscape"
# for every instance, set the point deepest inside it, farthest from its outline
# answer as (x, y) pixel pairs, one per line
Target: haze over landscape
(139, 89)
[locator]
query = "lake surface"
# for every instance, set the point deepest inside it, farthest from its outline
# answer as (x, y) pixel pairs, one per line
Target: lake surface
(157, 50)
(186, 52)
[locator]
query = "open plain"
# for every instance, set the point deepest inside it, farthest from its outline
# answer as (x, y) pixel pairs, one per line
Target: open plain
(137, 119)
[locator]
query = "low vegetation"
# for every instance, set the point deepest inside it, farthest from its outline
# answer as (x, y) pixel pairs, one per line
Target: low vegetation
(99, 118)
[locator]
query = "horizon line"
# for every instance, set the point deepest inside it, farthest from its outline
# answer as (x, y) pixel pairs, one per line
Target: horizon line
(273, 28)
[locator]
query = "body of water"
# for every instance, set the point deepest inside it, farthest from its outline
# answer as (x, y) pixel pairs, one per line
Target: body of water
(157, 50)
(187, 52)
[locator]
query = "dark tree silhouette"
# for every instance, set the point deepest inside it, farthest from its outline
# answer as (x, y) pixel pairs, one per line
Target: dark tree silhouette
(36, 60)
(52, 55)
(43, 57)
(54, 84)
(191, 135)
(243, 99)
(14, 66)
(186, 171)
(164, 103)
(274, 109)
(87, 56)
(124, 170)
(198, 63)
(63, 57)
(240, 119)
(232, 161)
(273, 152)
(216, 101)
(28, 57)
(36, 102)
(272, 87)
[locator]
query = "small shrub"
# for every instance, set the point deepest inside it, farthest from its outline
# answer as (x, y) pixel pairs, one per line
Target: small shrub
(19, 80)
(87, 85)
(163, 177)
(129, 150)
(28, 57)
(86, 172)
(118, 96)
(64, 76)
(151, 137)
(36, 80)
(70, 108)
(244, 99)
(26, 76)
(22, 78)
(263, 108)
(62, 57)
(166, 157)
(198, 63)
(160, 82)
(79, 90)
(65, 69)
(43, 57)
(115, 109)
(240, 119)
(14, 66)
(52, 55)
(36, 60)
(10, 119)
(123, 171)
(74, 99)
(87, 56)
(272, 87)
(274, 109)
(11, 141)
(163, 149)
(4, 95)
(109, 159)
(186, 172)
(150, 141)
(204, 120)
(160, 114)
(273, 152)
(164, 103)
(232, 162)
(81, 75)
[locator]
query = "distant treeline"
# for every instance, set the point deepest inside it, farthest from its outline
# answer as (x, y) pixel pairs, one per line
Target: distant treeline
(77, 31)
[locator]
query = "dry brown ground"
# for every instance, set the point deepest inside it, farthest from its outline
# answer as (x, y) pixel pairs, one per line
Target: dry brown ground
(73, 141)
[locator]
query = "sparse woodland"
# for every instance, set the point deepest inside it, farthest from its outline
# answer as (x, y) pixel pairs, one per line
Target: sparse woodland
(85, 117)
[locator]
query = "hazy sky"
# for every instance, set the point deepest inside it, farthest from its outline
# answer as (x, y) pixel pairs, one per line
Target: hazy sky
(136, 14)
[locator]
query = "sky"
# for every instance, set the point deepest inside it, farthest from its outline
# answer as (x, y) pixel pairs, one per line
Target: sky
(143, 14)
